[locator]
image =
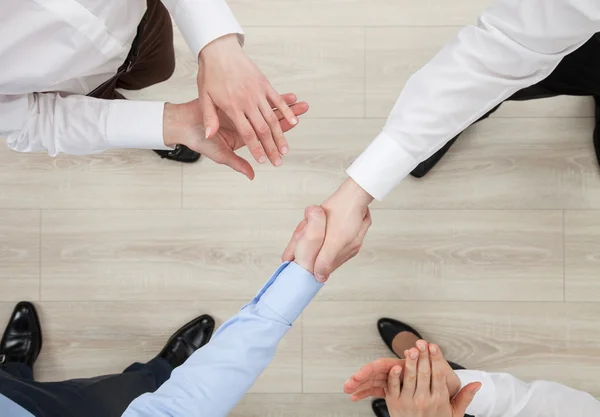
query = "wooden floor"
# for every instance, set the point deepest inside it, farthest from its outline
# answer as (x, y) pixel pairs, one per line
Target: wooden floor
(494, 255)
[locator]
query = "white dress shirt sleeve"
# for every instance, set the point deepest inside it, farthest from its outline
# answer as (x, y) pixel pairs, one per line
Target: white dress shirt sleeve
(515, 44)
(203, 21)
(503, 395)
(79, 125)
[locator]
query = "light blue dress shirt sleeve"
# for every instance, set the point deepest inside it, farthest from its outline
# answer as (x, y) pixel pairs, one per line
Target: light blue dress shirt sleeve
(12, 409)
(217, 376)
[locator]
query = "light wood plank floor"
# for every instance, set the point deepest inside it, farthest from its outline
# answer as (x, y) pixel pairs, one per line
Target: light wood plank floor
(494, 255)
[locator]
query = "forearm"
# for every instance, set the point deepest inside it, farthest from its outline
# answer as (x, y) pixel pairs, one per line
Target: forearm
(216, 377)
(203, 21)
(517, 43)
(503, 395)
(79, 125)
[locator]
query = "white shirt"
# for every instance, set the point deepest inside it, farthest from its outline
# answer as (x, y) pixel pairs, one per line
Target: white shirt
(503, 395)
(54, 52)
(515, 44)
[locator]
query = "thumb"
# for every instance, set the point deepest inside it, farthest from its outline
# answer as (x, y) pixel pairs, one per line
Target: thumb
(464, 398)
(311, 239)
(325, 263)
(211, 118)
(239, 164)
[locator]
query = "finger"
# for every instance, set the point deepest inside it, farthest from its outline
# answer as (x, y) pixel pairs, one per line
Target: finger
(464, 398)
(325, 263)
(298, 109)
(423, 370)
(263, 131)
(381, 366)
(364, 228)
(248, 135)
(288, 253)
(273, 122)
(289, 98)
(352, 386)
(310, 242)
(239, 164)
(438, 378)
(282, 106)
(409, 382)
(393, 387)
(211, 118)
(370, 392)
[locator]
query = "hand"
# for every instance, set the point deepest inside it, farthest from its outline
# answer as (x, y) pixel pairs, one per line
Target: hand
(348, 219)
(371, 379)
(310, 238)
(421, 390)
(183, 125)
(230, 81)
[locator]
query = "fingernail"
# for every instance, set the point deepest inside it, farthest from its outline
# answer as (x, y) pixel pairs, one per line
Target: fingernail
(278, 162)
(432, 349)
(294, 121)
(477, 390)
(421, 346)
(414, 355)
(397, 372)
(285, 150)
(262, 160)
(207, 133)
(320, 277)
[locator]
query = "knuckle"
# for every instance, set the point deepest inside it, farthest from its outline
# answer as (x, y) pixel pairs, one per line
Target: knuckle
(247, 134)
(256, 150)
(264, 131)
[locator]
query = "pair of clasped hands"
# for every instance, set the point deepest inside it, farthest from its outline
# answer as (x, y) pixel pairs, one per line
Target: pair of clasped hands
(423, 384)
(236, 107)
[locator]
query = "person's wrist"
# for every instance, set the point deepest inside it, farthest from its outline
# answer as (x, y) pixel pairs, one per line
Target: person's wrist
(224, 44)
(175, 119)
(356, 193)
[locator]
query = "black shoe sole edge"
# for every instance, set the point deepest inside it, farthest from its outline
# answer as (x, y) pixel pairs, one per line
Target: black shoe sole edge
(375, 404)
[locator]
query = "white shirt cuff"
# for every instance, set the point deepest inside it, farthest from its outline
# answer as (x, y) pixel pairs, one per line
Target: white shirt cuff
(485, 400)
(381, 166)
(135, 125)
(203, 21)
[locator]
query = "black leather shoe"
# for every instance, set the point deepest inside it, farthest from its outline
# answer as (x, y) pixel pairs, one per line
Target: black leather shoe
(389, 328)
(380, 408)
(597, 129)
(181, 153)
(187, 340)
(22, 340)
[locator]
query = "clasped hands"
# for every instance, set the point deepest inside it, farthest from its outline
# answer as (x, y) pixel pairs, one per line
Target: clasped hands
(422, 385)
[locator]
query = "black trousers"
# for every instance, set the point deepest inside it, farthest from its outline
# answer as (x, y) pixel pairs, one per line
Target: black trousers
(103, 396)
(578, 74)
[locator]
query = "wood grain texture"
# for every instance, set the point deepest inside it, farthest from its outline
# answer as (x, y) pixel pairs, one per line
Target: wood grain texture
(89, 339)
(301, 405)
(582, 256)
(357, 12)
(19, 255)
(456, 255)
(115, 179)
(395, 54)
(551, 341)
(160, 255)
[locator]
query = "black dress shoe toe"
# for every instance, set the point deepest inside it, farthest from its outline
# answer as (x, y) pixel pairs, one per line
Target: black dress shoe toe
(389, 328)
(181, 153)
(22, 340)
(380, 408)
(187, 340)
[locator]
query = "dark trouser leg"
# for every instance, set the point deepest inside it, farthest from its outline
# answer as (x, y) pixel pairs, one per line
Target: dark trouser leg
(104, 396)
(152, 56)
(17, 370)
(578, 74)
